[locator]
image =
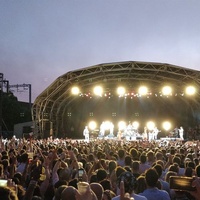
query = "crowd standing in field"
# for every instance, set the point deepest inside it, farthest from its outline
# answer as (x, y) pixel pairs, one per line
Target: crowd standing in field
(99, 169)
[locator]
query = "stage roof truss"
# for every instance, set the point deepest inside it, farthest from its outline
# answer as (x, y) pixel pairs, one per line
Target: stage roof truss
(57, 96)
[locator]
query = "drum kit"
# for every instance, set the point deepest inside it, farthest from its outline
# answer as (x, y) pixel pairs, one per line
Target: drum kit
(130, 134)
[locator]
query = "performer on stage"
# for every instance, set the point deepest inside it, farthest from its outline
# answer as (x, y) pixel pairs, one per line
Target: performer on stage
(150, 135)
(102, 130)
(145, 135)
(86, 133)
(181, 131)
(134, 132)
(176, 130)
(128, 131)
(129, 128)
(111, 129)
(155, 133)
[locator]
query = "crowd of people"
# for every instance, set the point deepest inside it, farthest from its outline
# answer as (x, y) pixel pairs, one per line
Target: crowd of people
(57, 169)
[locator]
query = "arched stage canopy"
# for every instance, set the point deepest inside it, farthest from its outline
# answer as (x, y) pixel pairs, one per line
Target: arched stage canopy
(51, 108)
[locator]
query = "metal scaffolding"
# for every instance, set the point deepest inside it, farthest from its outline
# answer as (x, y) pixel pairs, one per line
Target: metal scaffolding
(5, 83)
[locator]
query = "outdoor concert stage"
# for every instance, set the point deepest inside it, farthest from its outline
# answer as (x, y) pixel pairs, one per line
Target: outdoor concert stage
(60, 111)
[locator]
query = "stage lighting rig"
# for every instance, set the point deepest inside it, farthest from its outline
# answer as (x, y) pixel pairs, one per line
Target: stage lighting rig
(190, 90)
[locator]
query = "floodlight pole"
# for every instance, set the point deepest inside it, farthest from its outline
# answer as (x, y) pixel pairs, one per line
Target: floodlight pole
(7, 85)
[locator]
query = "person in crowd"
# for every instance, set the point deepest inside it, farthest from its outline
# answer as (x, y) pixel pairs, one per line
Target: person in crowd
(87, 195)
(128, 161)
(189, 172)
(121, 160)
(108, 195)
(143, 164)
(159, 156)
(141, 184)
(135, 168)
(7, 193)
(58, 192)
(130, 182)
(98, 190)
(111, 166)
(197, 170)
(134, 153)
(101, 174)
(69, 193)
(150, 157)
(106, 184)
(152, 192)
(164, 184)
(176, 159)
(196, 193)
(41, 166)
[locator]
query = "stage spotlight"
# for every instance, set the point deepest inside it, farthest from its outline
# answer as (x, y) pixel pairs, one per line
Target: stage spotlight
(92, 125)
(135, 125)
(107, 125)
(121, 91)
(150, 125)
(143, 90)
(190, 90)
(122, 125)
(75, 90)
(166, 125)
(98, 90)
(166, 90)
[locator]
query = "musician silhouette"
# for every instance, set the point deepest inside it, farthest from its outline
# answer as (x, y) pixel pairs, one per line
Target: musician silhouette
(86, 134)
(181, 130)
(176, 132)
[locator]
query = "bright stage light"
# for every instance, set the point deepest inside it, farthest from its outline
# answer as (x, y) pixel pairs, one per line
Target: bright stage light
(121, 91)
(135, 125)
(150, 125)
(122, 125)
(98, 90)
(92, 125)
(143, 90)
(75, 90)
(166, 90)
(190, 90)
(166, 125)
(107, 125)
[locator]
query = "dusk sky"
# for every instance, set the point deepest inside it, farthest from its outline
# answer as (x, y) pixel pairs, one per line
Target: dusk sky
(41, 40)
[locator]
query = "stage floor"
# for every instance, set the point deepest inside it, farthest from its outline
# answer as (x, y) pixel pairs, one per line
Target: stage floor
(139, 138)
(170, 139)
